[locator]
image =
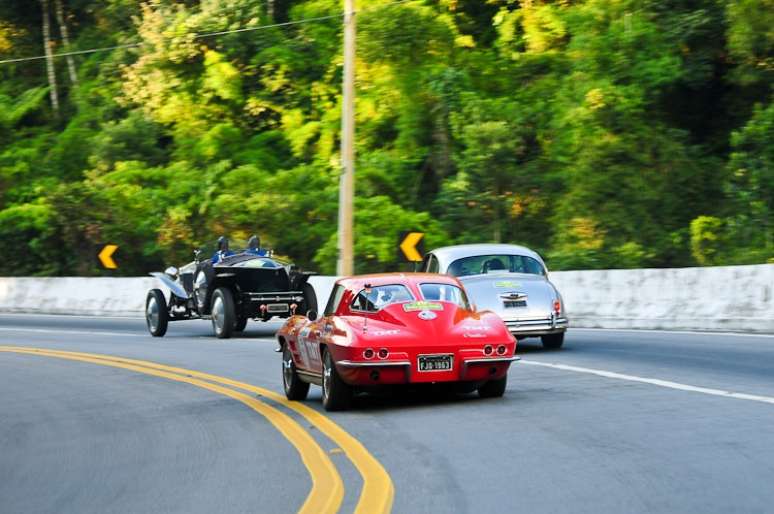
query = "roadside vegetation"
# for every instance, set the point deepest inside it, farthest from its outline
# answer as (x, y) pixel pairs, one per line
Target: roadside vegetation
(602, 133)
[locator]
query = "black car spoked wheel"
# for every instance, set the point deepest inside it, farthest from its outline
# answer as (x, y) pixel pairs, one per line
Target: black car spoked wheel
(295, 388)
(336, 394)
(310, 300)
(223, 313)
(553, 341)
(156, 314)
(240, 324)
(493, 388)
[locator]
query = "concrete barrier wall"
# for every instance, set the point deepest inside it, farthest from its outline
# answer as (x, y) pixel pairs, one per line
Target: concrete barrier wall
(734, 298)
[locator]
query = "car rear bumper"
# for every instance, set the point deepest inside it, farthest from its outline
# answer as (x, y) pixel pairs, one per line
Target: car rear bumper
(537, 327)
(385, 372)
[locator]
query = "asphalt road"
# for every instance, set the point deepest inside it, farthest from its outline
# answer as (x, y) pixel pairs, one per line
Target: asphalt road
(617, 421)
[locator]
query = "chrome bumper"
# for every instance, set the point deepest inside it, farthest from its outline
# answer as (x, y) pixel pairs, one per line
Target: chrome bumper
(537, 327)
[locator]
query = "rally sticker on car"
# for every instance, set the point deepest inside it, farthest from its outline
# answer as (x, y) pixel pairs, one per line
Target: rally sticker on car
(506, 284)
(422, 306)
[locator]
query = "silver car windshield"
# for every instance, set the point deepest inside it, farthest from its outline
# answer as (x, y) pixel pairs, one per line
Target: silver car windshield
(485, 264)
(444, 293)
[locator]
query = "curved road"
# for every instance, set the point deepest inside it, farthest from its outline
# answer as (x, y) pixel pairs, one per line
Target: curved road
(617, 421)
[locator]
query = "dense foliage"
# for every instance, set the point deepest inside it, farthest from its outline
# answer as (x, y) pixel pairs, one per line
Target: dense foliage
(602, 133)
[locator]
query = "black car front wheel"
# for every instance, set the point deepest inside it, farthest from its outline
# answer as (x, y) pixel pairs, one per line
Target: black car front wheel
(156, 314)
(295, 388)
(223, 313)
(336, 394)
(240, 324)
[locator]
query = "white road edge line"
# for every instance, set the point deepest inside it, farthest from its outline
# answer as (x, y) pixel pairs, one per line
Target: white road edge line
(82, 332)
(663, 331)
(653, 381)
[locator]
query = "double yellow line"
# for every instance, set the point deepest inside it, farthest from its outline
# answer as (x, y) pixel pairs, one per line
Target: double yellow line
(327, 488)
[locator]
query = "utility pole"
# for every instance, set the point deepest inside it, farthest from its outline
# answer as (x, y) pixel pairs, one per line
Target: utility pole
(345, 264)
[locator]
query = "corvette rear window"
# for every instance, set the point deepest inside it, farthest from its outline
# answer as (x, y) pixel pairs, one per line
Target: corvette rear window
(444, 293)
(376, 298)
(485, 264)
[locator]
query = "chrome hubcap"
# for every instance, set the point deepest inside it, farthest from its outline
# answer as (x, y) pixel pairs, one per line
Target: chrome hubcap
(218, 314)
(326, 378)
(152, 313)
(287, 369)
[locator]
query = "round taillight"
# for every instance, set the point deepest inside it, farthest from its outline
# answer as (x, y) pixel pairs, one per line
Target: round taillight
(383, 353)
(557, 306)
(488, 349)
(501, 350)
(368, 353)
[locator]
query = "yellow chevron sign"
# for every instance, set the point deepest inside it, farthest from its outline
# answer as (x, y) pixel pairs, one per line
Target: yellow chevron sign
(410, 245)
(106, 256)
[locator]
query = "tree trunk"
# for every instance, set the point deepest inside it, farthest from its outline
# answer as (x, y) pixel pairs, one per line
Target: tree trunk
(49, 57)
(59, 10)
(270, 9)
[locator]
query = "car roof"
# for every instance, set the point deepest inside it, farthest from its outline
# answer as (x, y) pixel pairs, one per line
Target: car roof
(358, 282)
(448, 254)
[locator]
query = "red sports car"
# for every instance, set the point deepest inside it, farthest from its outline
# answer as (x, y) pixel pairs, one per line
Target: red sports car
(394, 329)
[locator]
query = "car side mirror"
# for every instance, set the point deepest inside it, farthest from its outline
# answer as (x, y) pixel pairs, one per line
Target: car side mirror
(311, 315)
(171, 272)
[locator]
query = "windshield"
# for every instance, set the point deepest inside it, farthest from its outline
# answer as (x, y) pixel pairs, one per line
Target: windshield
(258, 262)
(444, 293)
(483, 264)
(376, 298)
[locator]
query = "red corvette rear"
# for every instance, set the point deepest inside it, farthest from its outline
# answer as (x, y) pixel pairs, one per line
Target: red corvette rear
(394, 329)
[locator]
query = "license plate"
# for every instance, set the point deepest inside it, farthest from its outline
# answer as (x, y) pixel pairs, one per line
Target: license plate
(277, 307)
(435, 362)
(514, 303)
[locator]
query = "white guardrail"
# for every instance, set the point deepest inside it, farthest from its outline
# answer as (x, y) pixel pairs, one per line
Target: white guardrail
(724, 298)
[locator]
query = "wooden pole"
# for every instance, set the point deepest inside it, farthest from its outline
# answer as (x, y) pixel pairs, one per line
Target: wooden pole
(345, 264)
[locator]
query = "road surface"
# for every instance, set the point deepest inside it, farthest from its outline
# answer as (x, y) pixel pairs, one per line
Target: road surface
(617, 421)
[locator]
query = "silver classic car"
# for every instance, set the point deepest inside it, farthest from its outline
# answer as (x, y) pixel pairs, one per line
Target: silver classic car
(509, 280)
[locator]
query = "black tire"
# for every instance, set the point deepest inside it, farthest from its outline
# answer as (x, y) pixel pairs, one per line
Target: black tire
(493, 388)
(553, 341)
(156, 313)
(310, 300)
(223, 313)
(336, 394)
(240, 324)
(295, 388)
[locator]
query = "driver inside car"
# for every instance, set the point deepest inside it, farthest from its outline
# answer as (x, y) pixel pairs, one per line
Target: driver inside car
(254, 247)
(223, 250)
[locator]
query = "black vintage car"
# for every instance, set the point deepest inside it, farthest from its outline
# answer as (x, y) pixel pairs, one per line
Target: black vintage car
(238, 288)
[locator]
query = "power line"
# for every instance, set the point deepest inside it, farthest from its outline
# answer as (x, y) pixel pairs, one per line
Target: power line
(201, 36)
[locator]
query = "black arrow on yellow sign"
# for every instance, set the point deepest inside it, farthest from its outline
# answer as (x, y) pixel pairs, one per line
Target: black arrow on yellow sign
(106, 256)
(411, 245)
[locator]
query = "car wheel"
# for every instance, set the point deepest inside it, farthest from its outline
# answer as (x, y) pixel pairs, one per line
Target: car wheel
(295, 388)
(336, 394)
(553, 341)
(223, 313)
(156, 314)
(310, 300)
(493, 388)
(240, 324)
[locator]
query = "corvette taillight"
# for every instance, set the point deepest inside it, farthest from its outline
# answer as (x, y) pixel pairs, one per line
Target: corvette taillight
(488, 349)
(383, 353)
(368, 353)
(501, 350)
(557, 306)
